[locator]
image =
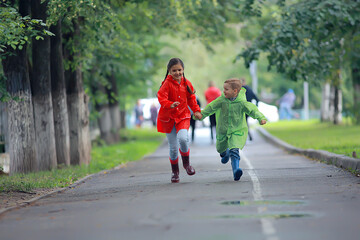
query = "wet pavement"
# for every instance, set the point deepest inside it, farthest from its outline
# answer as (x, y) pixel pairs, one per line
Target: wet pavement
(280, 196)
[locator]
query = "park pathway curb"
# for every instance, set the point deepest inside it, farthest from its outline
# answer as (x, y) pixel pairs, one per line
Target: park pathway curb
(330, 158)
(32, 200)
(342, 161)
(78, 182)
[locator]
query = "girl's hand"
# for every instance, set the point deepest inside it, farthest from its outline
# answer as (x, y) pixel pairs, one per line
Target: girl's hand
(198, 115)
(175, 104)
(262, 122)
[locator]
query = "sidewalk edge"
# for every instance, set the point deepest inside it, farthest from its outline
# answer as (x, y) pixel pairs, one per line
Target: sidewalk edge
(78, 182)
(338, 160)
(32, 200)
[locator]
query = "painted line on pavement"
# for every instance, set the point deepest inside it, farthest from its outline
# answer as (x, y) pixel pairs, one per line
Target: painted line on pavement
(266, 224)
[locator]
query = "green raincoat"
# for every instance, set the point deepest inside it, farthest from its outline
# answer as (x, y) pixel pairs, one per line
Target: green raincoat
(231, 126)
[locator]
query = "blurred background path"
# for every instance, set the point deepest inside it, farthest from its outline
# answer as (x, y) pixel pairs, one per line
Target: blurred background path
(280, 196)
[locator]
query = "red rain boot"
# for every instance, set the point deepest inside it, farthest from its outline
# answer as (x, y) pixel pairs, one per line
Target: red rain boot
(186, 163)
(175, 171)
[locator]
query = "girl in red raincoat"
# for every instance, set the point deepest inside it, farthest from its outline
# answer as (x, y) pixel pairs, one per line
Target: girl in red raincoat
(175, 95)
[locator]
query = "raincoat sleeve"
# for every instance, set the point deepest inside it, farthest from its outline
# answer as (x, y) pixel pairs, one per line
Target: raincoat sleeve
(211, 108)
(191, 99)
(251, 110)
(163, 95)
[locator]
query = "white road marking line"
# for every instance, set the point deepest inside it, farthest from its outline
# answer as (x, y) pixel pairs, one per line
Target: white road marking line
(266, 224)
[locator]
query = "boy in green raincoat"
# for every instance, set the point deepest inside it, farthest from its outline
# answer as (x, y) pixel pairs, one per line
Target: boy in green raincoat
(231, 127)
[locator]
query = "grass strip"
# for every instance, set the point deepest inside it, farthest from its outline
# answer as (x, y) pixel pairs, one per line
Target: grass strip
(312, 134)
(135, 144)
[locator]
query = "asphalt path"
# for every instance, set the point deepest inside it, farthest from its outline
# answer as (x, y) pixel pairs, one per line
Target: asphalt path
(280, 196)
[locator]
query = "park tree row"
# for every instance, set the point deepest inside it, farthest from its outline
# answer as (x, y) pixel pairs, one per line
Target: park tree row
(47, 115)
(58, 56)
(316, 41)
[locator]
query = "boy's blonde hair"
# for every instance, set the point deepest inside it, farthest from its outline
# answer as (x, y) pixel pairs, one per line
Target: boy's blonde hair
(235, 83)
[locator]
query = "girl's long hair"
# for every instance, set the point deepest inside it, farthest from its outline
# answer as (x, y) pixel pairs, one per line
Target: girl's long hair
(173, 62)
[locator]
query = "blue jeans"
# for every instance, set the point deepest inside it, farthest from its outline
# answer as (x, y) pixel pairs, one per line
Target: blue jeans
(233, 154)
(235, 160)
(175, 139)
(285, 112)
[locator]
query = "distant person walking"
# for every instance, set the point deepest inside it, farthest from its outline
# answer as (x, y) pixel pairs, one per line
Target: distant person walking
(153, 114)
(250, 95)
(210, 95)
(231, 130)
(176, 93)
(139, 115)
(286, 102)
(193, 121)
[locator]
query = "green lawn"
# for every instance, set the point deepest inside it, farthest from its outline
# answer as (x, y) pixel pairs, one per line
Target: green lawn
(136, 144)
(340, 139)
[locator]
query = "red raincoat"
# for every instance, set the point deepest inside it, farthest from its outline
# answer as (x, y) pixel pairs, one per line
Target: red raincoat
(171, 91)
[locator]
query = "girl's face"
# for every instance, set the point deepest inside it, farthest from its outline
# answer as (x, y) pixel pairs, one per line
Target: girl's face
(229, 92)
(176, 72)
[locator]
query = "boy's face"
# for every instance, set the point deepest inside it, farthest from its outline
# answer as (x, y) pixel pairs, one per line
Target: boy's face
(230, 92)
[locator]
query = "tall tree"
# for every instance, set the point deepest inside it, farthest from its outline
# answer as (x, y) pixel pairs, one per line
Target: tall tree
(306, 42)
(112, 94)
(354, 47)
(58, 93)
(21, 131)
(41, 91)
(77, 101)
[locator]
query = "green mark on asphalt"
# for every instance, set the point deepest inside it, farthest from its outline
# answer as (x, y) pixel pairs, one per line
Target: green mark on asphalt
(261, 202)
(274, 216)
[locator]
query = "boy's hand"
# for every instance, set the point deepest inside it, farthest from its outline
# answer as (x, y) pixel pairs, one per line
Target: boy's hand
(262, 122)
(198, 115)
(175, 104)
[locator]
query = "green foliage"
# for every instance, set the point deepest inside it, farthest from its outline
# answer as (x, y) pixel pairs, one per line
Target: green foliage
(201, 66)
(16, 31)
(67, 10)
(127, 36)
(140, 143)
(308, 39)
(314, 41)
(128, 41)
(126, 48)
(122, 38)
(340, 139)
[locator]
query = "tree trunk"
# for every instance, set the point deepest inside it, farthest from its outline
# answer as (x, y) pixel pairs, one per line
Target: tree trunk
(20, 128)
(122, 114)
(4, 139)
(122, 119)
(21, 131)
(77, 101)
(58, 93)
(114, 109)
(109, 112)
(104, 121)
(337, 117)
(325, 103)
(331, 104)
(115, 122)
(356, 87)
(41, 90)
